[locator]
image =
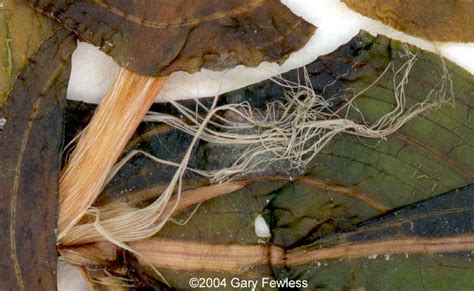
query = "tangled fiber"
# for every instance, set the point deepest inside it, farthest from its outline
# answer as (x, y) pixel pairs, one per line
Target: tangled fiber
(294, 130)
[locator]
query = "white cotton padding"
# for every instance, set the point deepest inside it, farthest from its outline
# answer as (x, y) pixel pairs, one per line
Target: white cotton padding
(261, 227)
(70, 278)
(92, 74)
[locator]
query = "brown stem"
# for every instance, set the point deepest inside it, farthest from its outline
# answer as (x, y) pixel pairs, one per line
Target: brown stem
(110, 129)
(202, 191)
(198, 256)
(195, 256)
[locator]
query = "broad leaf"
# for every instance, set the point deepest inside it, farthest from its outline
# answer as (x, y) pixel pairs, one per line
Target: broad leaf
(428, 244)
(424, 246)
(159, 37)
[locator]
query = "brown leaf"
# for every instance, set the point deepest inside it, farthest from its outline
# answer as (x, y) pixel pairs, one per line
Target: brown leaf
(159, 37)
(30, 146)
(433, 20)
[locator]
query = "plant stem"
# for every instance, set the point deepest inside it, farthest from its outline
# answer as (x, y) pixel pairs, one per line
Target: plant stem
(101, 144)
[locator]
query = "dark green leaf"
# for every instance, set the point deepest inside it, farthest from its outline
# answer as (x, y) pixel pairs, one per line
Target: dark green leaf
(424, 246)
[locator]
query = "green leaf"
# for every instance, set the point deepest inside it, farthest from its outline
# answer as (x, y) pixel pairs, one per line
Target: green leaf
(30, 147)
(428, 244)
(158, 38)
(424, 246)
